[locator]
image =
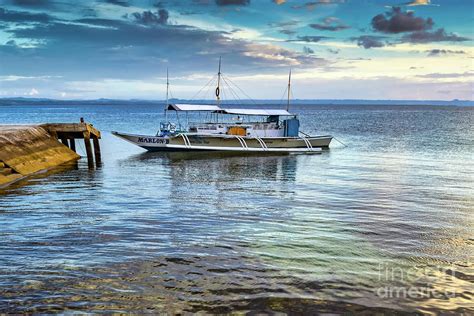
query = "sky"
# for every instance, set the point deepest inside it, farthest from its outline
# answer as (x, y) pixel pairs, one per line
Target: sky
(336, 49)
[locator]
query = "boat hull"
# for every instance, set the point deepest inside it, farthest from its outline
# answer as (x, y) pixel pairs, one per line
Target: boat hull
(195, 142)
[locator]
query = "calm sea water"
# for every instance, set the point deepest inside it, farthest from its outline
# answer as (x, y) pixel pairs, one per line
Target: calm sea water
(384, 224)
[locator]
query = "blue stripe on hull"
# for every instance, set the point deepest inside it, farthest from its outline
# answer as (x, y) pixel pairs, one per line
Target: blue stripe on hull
(166, 149)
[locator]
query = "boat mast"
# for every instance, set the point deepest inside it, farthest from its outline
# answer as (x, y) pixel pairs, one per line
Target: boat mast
(167, 86)
(218, 92)
(289, 91)
(218, 84)
(167, 90)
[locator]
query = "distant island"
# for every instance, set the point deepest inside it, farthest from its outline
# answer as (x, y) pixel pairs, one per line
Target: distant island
(45, 101)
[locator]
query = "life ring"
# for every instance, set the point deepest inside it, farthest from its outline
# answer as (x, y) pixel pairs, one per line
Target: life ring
(217, 91)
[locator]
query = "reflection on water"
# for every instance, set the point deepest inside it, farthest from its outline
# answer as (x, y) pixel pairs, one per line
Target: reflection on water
(384, 224)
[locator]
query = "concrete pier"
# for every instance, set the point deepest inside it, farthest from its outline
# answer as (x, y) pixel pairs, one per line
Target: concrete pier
(27, 149)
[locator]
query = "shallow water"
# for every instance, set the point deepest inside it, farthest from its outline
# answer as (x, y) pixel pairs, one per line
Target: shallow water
(384, 224)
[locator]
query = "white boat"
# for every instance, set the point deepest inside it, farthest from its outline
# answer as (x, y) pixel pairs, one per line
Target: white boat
(230, 130)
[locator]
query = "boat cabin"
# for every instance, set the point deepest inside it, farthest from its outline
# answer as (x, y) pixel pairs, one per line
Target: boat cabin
(237, 121)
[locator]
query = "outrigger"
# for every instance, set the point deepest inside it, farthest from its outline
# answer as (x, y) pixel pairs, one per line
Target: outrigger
(247, 130)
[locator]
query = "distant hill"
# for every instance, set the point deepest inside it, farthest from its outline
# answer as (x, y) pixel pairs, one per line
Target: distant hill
(43, 101)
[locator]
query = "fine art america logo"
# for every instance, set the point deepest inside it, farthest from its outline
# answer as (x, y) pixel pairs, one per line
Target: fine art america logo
(416, 283)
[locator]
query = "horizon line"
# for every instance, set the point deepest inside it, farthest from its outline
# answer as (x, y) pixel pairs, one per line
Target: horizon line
(230, 101)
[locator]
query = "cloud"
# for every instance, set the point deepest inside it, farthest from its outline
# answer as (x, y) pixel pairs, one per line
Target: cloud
(280, 57)
(439, 52)
(285, 27)
(329, 24)
(284, 23)
(33, 92)
(122, 3)
(16, 78)
(287, 32)
(418, 2)
(312, 5)
(439, 35)
(310, 38)
(446, 75)
(307, 50)
(31, 3)
(150, 18)
(396, 21)
(105, 48)
(232, 2)
(23, 16)
(369, 41)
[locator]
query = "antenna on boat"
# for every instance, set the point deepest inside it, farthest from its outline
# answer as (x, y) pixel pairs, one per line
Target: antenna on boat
(218, 83)
(289, 91)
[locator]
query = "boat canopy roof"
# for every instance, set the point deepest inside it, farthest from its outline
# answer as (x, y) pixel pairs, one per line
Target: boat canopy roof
(263, 112)
(216, 109)
(192, 107)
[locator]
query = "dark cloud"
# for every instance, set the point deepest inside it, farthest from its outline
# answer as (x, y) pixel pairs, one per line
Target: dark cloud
(313, 4)
(446, 75)
(439, 35)
(22, 16)
(284, 23)
(307, 50)
(369, 41)
(310, 38)
(329, 24)
(397, 21)
(285, 27)
(151, 18)
(31, 3)
(159, 4)
(439, 52)
(105, 48)
(232, 2)
(287, 32)
(323, 27)
(122, 3)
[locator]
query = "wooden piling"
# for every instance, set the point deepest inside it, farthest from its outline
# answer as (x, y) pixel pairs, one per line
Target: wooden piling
(72, 144)
(64, 141)
(98, 158)
(87, 143)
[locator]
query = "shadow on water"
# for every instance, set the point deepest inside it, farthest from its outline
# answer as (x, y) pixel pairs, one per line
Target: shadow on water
(200, 155)
(216, 167)
(76, 171)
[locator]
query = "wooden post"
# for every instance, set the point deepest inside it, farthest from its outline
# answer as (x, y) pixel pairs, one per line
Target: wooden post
(54, 134)
(64, 141)
(98, 158)
(72, 144)
(87, 143)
